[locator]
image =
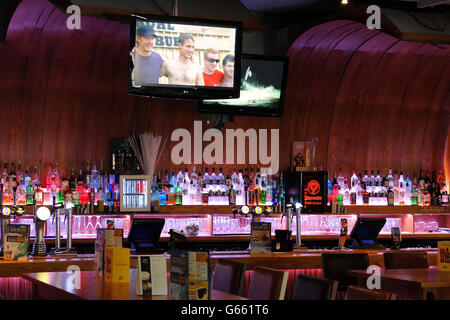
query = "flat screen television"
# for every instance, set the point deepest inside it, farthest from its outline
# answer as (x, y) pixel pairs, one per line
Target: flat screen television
(263, 87)
(179, 57)
(365, 232)
(144, 234)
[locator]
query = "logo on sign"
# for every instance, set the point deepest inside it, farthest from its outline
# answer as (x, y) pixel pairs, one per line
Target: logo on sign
(313, 187)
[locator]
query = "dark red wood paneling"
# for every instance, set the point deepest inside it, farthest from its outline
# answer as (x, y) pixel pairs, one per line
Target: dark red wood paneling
(374, 102)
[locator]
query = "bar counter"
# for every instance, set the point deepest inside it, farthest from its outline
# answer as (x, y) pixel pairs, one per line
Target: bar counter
(310, 259)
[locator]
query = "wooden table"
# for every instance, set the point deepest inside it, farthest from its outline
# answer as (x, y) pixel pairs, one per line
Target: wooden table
(410, 283)
(305, 260)
(58, 286)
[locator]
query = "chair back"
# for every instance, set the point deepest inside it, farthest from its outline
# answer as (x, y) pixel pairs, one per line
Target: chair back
(267, 284)
(336, 265)
(312, 288)
(405, 260)
(358, 293)
(229, 276)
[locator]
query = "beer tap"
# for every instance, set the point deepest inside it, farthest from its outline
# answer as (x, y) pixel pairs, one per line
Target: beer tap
(298, 239)
(57, 206)
(5, 218)
(41, 215)
(69, 206)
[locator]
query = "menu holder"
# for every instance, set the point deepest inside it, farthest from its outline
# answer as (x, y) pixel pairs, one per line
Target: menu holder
(151, 276)
(117, 264)
(106, 238)
(17, 240)
(261, 240)
(190, 275)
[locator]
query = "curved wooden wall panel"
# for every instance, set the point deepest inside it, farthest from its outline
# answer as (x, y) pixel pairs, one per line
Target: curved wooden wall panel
(374, 102)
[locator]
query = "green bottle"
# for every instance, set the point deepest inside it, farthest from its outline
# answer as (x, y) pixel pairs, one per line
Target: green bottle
(29, 194)
(178, 194)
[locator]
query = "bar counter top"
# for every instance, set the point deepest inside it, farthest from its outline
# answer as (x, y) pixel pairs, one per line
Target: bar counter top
(310, 259)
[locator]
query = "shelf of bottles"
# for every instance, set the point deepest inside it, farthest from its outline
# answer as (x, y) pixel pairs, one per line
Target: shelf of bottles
(206, 199)
(390, 190)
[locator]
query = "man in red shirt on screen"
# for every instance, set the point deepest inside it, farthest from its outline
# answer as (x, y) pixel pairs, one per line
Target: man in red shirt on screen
(211, 75)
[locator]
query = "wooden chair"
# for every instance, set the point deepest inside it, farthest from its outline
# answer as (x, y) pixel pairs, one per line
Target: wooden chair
(405, 260)
(358, 293)
(312, 288)
(336, 265)
(267, 284)
(229, 276)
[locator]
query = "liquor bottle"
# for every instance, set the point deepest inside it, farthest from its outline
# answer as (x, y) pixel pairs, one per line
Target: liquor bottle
(162, 197)
(421, 181)
(19, 174)
(213, 179)
(366, 194)
(420, 197)
(353, 181)
(12, 177)
(390, 195)
(173, 183)
(353, 191)
(346, 193)
(269, 189)
(263, 192)
(390, 180)
(180, 177)
(383, 197)
(366, 181)
(401, 189)
(72, 181)
(407, 193)
(49, 177)
(257, 186)
(239, 188)
(56, 178)
(372, 180)
(359, 191)
(178, 194)
(29, 193)
(26, 178)
(395, 178)
(39, 195)
(427, 198)
(377, 189)
(414, 196)
(221, 181)
(186, 200)
(5, 174)
(87, 176)
(340, 179)
(232, 196)
(186, 179)
(95, 179)
(194, 179)
(427, 180)
(80, 181)
(35, 181)
(444, 193)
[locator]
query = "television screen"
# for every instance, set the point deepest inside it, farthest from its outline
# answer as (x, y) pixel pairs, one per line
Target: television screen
(178, 57)
(263, 85)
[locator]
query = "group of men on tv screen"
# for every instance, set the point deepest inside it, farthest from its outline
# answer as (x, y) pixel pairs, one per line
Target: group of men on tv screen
(149, 66)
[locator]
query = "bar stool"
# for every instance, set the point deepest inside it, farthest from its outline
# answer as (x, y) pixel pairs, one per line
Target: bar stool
(312, 288)
(336, 265)
(358, 293)
(405, 260)
(267, 284)
(229, 276)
